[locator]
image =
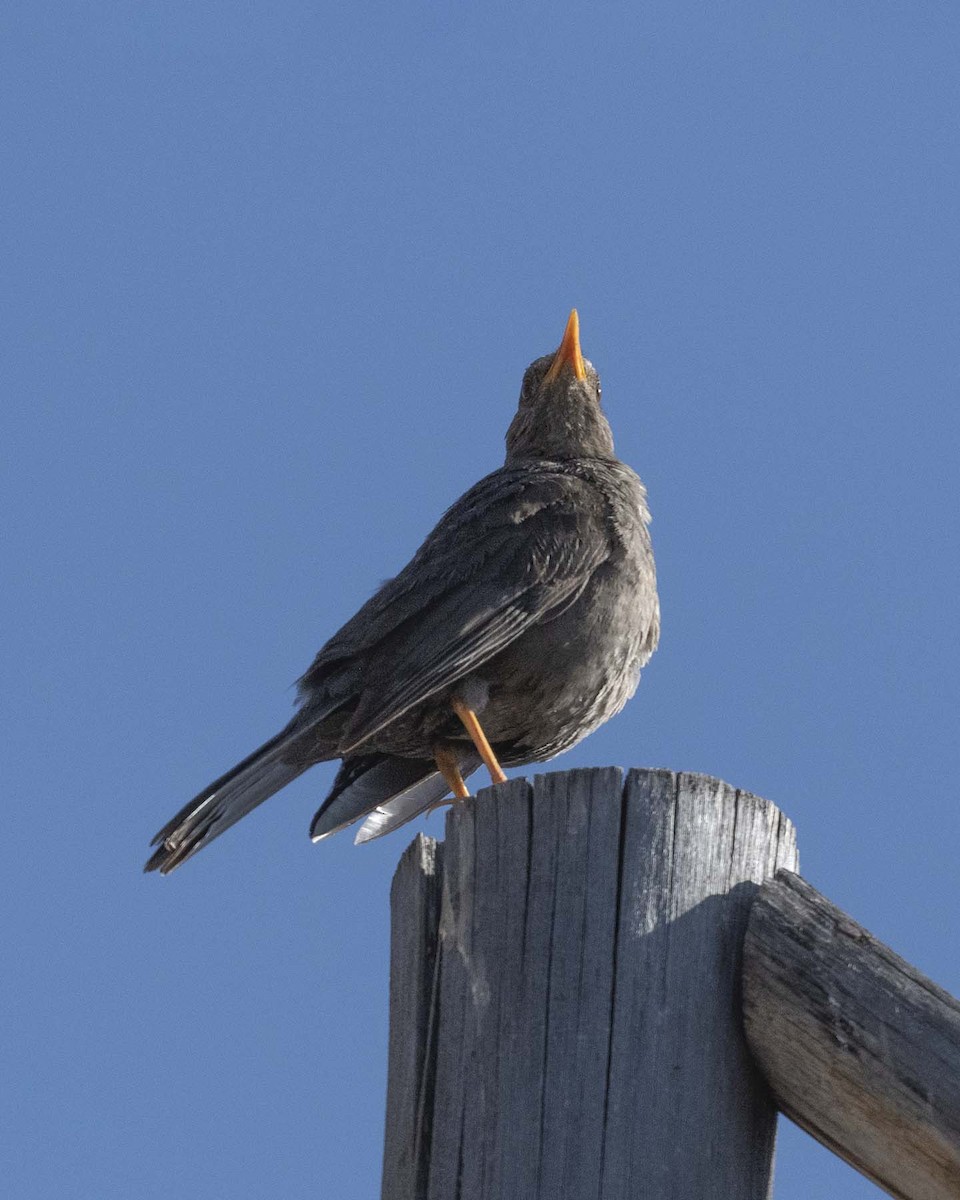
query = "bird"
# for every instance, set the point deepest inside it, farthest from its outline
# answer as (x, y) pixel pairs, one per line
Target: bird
(518, 627)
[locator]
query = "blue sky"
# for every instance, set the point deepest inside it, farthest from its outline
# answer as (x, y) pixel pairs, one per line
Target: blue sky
(271, 277)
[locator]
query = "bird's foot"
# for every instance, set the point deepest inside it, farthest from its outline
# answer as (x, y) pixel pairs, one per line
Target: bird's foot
(449, 767)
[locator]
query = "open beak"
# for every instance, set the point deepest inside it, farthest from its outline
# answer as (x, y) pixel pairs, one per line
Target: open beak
(569, 352)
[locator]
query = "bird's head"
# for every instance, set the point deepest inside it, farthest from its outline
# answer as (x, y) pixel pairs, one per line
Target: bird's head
(559, 415)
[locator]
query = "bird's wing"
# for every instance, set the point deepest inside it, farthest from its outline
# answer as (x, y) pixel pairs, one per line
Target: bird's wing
(496, 508)
(515, 550)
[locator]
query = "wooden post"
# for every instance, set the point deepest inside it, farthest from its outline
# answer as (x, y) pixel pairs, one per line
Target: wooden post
(565, 995)
(859, 1048)
(414, 966)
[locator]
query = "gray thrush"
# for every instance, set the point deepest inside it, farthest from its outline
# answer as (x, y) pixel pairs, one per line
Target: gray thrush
(518, 627)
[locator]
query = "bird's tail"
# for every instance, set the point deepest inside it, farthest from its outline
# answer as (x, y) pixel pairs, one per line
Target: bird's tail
(386, 790)
(227, 799)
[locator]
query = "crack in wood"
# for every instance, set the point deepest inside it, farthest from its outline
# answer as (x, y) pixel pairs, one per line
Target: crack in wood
(603, 1054)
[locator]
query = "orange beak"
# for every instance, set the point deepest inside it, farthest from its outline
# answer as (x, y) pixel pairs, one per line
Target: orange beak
(569, 352)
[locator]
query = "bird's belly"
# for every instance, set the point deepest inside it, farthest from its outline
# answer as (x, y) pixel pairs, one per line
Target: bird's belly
(563, 678)
(556, 683)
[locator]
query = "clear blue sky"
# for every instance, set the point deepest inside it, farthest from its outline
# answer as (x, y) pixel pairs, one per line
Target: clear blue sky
(271, 276)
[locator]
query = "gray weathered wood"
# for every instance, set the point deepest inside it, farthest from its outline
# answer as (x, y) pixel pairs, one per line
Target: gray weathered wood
(581, 1033)
(859, 1048)
(415, 912)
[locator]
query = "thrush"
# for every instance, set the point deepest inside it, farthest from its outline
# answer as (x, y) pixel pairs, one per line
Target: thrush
(518, 627)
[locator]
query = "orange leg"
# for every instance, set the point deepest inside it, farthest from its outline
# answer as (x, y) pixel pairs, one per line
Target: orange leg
(471, 723)
(449, 768)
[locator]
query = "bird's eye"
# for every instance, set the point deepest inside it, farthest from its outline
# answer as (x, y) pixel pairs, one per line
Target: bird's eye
(599, 392)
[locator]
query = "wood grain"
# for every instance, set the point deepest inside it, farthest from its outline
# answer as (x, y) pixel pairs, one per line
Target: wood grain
(570, 1025)
(859, 1047)
(414, 972)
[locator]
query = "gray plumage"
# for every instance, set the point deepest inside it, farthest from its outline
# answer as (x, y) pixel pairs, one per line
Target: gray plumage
(533, 601)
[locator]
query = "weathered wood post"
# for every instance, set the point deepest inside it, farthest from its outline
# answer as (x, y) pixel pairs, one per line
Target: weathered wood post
(859, 1048)
(565, 1009)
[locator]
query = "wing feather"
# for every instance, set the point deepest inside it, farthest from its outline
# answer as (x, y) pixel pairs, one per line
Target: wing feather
(515, 550)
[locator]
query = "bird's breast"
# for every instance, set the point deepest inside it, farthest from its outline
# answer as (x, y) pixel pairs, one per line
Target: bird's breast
(564, 677)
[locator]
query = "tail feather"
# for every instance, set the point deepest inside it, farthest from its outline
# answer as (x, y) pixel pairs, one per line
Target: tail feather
(387, 790)
(399, 809)
(223, 802)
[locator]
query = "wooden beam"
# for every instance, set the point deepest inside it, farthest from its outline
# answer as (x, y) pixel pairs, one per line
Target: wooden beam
(568, 1024)
(859, 1048)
